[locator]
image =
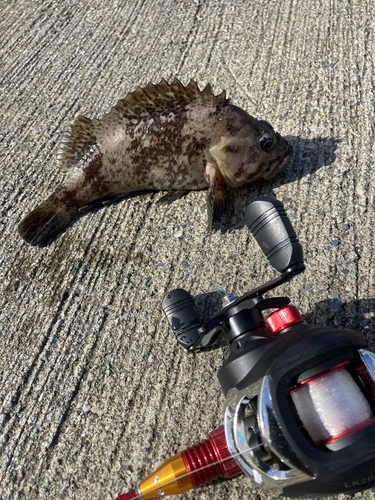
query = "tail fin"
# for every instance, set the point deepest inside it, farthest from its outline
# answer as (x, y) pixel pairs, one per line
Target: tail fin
(46, 221)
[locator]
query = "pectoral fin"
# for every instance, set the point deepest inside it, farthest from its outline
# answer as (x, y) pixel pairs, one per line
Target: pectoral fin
(217, 199)
(172, 196)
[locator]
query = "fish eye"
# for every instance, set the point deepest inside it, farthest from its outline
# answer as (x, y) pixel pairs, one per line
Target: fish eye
(266, 142)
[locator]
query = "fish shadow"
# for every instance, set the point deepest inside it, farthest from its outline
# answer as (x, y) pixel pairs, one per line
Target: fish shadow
(357, 315)
(309, 156)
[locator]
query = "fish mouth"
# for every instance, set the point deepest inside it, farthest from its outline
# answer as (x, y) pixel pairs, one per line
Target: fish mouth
(230, 180)
(227, 175)
(278, 166)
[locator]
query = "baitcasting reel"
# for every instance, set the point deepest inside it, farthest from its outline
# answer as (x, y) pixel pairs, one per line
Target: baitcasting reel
(300, 403)
(299, 417)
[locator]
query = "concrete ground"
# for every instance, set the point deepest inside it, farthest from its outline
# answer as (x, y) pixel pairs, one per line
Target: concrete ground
(95, 391)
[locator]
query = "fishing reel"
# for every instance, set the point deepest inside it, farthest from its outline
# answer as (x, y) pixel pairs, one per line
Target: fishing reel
(299, 417)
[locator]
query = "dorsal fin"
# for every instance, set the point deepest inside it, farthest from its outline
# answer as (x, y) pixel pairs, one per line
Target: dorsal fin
(84, 132)
(163, 95)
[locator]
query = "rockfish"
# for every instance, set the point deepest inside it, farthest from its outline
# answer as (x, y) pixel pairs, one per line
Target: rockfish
(161, 137)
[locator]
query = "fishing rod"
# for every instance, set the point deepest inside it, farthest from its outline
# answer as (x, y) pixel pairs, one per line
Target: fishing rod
(300, 400)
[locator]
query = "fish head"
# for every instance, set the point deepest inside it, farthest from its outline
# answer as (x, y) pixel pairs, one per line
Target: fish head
(255, 151)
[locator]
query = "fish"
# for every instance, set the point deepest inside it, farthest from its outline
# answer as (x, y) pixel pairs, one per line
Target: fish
(162, 137)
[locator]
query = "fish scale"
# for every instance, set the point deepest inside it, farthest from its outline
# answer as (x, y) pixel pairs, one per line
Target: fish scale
(164, 137)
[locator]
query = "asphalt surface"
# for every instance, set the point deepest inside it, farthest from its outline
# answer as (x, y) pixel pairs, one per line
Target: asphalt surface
(95, 392)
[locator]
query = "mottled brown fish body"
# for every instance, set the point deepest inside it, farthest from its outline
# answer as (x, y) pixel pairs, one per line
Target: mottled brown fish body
(162, 151)
(163, 137)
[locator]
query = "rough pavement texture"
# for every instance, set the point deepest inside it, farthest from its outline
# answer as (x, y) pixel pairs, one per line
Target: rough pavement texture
(95, 392)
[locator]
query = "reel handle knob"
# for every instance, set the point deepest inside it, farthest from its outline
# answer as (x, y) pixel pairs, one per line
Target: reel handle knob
(267, 220)
(179, 308)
